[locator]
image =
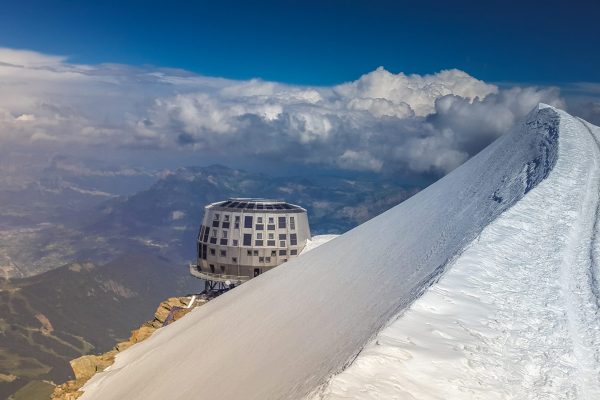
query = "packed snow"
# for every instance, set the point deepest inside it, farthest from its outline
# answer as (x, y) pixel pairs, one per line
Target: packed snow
(284, 334)
(316, 241)
(517, 314)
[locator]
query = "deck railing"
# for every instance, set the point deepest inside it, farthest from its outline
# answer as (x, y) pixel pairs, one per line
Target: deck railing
(209, 276)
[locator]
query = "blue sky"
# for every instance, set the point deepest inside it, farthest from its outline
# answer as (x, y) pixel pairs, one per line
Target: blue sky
(319, 42)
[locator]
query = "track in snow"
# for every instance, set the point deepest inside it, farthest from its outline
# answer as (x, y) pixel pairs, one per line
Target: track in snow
(516, 315)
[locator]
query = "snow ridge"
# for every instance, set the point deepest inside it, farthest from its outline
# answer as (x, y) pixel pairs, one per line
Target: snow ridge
(283, 334)
(516, 314)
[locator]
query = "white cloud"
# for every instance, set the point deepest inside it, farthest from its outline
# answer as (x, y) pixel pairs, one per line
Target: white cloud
(381, 121)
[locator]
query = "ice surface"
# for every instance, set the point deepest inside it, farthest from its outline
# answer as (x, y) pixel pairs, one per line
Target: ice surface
(517, 314)
(283, 334)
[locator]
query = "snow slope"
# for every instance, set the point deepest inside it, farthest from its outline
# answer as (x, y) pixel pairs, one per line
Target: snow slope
(283, 334)
(517, 315)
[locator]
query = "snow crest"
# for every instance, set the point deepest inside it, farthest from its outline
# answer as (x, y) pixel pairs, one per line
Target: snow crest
(285, 333)
(517, 314)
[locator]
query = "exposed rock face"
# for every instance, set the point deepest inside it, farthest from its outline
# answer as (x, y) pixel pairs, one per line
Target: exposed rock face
(85, 367)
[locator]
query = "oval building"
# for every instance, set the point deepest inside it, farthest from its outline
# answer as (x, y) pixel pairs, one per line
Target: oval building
(242, 238)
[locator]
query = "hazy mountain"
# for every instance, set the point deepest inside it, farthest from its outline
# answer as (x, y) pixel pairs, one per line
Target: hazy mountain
(53, 317)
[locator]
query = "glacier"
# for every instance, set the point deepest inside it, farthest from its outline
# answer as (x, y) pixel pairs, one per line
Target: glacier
(488, 276)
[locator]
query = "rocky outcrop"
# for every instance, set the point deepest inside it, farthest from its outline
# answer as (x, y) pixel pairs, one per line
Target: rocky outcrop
(87, 366)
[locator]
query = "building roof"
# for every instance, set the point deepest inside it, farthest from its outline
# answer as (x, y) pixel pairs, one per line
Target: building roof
(255, 205)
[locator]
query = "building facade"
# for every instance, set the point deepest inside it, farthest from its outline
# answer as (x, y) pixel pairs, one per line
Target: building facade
(242, 238)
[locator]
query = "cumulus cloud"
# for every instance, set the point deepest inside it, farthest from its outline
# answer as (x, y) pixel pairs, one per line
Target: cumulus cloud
(380, 122)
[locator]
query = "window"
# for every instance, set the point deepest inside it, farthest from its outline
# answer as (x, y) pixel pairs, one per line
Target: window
(273, 253)
(223, 253)
(259, 235)
(226, 218)
(293, 252)
(292, 223)
(282, 236)
(282, 243)
(250, 252)
(256, 252)
(222, 269)
(259, 220)
(283, 252)
(212, 268)
(248, 221)
(206, 231)
(213, 240)
(237, 218)
(258, 242)
(199, 250)
(271, 227)
(204, 252)
(281, 221)
(225, 225)
(260, 227)
(268, 259)
(293, 239)
(261, 259)
(236, 225)
(223, 242)
(224, 234)
(216, 217)
(271, 220)
(247, 239)
(212, 251)
(234, 259)
(270, 243)
(237, 222)
(271, 236)
(235, 243)
(215, 224)
(214, 233)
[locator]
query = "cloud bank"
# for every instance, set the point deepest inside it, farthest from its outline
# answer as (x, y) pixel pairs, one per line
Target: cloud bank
(396, 123)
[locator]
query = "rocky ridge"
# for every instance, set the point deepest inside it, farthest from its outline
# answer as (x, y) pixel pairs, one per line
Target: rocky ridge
(87, 366)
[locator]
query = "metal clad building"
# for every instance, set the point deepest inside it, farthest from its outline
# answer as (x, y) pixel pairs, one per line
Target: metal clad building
(241, 238)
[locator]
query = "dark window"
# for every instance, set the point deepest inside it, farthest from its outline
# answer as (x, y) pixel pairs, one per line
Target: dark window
(248, 221)
(213, 240)
(258, 242)
(225, 225)
(223, 253)
(293, 252)
(216, 217)
(271, 220)
(282, 236)
(282, 243)
(283, 252)
(273, 253)
(247, 239)
(293, 239)
(215, 224)
(212, 252)
(204, 252)
(212, 268)
(268, 259)
(270, 243)
(292, 223)
(199, 250)
(281, 221)
(261, 259)
(259, 220)
(260, 227)
(222, 269)
(236, 225)
(237, 218)
(271, 227)
(226, 218)
(249, 252)
(259, 235)
(223, 242)
(235, 242)
(206, 232)
(271, 236)
(234, 259)
(256, 271)
(256, 252)
(201, 234)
